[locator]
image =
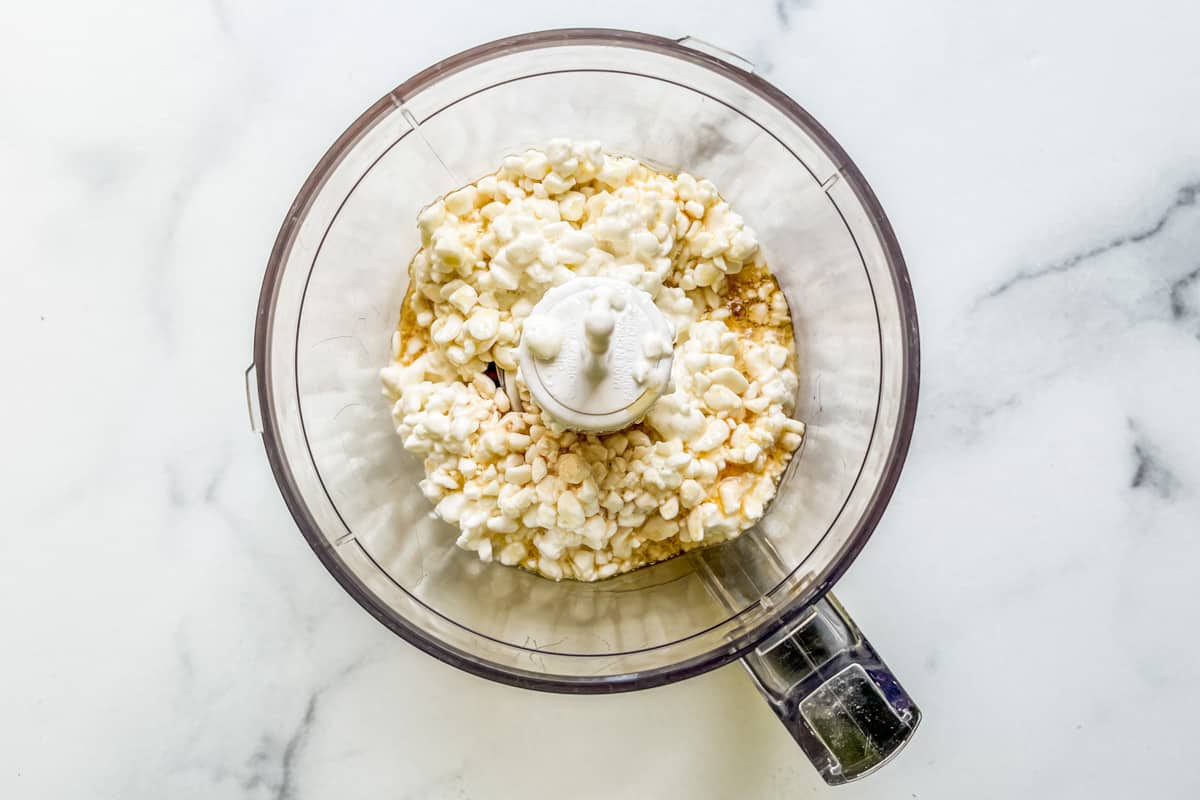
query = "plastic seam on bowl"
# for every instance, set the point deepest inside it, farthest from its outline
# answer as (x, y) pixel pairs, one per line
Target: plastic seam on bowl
(253, 409)
(728, 56)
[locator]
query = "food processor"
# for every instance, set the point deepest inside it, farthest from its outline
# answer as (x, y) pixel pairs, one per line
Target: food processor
(330, 303)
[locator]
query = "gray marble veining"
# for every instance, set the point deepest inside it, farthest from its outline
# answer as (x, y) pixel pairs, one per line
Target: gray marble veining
(168, 633)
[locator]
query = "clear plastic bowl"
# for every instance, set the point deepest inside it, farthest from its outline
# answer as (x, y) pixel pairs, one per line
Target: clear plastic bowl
(330, 302)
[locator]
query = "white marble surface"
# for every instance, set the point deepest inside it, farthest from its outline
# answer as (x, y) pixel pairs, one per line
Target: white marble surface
(166, 632)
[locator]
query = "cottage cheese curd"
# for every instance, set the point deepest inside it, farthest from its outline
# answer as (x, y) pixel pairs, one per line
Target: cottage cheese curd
(702, 464)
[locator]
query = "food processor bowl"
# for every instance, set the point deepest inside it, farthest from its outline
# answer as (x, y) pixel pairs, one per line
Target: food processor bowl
(330, 302)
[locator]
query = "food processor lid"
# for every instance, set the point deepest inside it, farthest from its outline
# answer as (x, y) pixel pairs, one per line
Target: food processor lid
(596, 353)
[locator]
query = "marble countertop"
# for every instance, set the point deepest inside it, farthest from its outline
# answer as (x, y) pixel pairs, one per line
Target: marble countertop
(1034, 582)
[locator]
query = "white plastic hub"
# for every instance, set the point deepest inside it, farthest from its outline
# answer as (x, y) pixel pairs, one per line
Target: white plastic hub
(596, 353)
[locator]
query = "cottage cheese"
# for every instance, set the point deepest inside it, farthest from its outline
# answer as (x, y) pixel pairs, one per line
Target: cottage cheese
(701, 466)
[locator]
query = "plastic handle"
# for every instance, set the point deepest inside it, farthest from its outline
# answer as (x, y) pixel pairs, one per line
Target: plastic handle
(834, 694)
(820, 675)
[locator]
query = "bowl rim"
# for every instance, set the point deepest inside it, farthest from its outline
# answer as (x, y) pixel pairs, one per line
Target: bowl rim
(736, 646)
